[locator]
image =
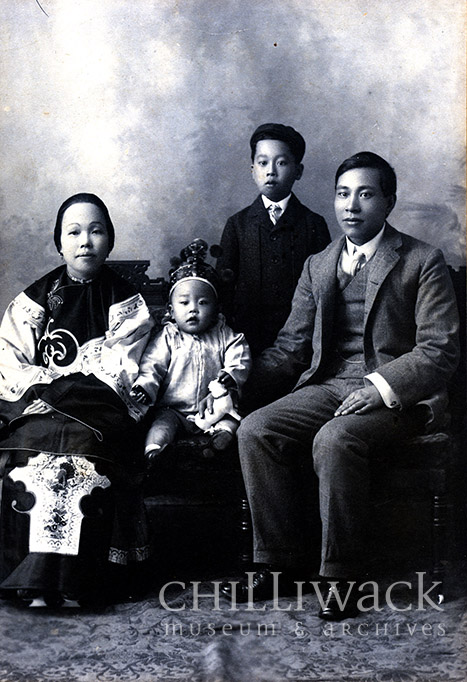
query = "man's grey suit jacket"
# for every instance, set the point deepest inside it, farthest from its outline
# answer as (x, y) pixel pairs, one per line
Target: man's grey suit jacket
(410, 324)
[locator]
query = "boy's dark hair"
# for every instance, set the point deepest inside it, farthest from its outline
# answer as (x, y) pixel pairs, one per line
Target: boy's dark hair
(83, 198)
(387, 175)
(277, 131)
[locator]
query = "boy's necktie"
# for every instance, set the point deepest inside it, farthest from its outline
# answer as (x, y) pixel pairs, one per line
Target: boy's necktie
(357, 264)
(275, 212)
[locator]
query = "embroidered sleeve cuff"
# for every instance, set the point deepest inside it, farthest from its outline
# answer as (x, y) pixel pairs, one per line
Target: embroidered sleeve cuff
(390, 399)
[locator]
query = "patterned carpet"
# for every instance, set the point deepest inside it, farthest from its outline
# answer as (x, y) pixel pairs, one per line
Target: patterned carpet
(146, 642)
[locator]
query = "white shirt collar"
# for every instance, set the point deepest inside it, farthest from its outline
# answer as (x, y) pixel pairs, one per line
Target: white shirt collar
(369, 249)
(282, 203)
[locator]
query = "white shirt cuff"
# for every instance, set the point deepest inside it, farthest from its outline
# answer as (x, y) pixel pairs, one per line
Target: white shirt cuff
(390, 399)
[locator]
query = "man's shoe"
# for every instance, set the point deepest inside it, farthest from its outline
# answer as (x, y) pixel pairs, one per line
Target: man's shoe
(259, 586)
(340, 602)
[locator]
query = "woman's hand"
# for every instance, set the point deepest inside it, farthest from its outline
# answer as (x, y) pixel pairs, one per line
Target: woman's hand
(38, 407)
(360, 402)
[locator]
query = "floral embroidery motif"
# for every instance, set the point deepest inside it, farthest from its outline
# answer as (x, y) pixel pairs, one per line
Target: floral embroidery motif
(58, 484)
(59, 348)
(53, 299)
(123, 556)
(27, 310)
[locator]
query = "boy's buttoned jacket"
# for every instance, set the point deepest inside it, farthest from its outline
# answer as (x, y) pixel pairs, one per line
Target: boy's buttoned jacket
(410, 321)
(266, 261)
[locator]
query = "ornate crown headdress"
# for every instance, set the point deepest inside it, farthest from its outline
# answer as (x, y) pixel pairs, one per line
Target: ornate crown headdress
(191, 265)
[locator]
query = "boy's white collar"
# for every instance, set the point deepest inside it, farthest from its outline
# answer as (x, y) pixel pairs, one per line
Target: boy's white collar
(282, 203)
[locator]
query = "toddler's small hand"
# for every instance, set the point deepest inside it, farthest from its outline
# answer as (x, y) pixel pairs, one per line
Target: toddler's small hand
(226, 380)
(206, 405)
(140, 395)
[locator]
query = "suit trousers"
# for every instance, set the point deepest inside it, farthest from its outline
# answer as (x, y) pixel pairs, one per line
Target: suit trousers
(273, 443)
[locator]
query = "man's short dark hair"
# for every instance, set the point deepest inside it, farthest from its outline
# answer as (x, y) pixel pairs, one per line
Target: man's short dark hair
(387, 175)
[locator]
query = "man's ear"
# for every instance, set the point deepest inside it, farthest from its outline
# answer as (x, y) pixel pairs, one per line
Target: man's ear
(391, 203)
(299, 172)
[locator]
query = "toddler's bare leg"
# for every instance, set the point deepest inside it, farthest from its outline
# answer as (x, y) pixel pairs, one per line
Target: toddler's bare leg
(162, 432)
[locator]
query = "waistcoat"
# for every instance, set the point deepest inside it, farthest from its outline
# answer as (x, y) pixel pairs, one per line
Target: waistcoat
(348, 357)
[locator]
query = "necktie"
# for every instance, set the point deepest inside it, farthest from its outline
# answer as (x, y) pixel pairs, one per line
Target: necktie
(357, 264)
(275, 212)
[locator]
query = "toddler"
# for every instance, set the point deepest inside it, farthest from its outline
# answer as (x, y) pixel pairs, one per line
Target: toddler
(192, 369)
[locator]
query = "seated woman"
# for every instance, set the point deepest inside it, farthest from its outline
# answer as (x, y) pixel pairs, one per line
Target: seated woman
(70, 345)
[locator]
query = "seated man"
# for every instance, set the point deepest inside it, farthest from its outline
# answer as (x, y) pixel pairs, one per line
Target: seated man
(372, 336)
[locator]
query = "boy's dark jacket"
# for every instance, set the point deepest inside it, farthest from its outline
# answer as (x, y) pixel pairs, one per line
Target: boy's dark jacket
(266, 261)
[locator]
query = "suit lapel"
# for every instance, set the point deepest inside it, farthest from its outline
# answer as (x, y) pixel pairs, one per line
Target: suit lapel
(289, 217)
(256, 217)
(257, 209)
(326, 267)
(383, 262)
(326, 283)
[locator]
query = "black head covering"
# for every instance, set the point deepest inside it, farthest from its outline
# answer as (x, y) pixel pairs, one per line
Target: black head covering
(83, 198)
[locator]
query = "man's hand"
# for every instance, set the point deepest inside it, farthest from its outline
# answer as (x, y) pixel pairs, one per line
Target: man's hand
(140, 395)
(360, 402)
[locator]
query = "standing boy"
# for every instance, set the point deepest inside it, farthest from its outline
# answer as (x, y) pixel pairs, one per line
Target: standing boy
(266, 244)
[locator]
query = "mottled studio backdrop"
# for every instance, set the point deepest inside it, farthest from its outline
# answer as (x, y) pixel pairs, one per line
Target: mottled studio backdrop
(151, 103)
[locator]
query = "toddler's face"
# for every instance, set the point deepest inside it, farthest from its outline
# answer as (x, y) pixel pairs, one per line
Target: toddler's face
(193, 305)
(275, 169)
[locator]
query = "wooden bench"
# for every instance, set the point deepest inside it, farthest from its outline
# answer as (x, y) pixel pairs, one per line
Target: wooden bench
(185, 485)
(196, 500)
